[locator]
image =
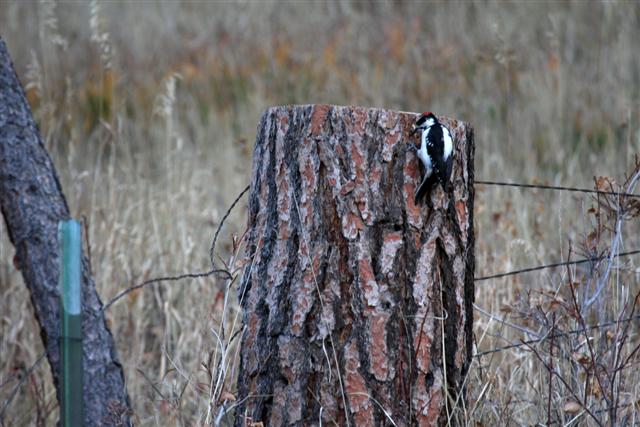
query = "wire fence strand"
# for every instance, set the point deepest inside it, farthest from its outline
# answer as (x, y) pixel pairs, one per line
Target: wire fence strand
(555, 264)
(210, 272)
(213, 270)
(557, 335)
(555, 188)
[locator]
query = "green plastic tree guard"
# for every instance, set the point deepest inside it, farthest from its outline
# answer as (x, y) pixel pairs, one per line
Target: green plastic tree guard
(71, 405)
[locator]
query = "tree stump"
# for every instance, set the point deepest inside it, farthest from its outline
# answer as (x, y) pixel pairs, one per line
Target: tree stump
(32, 204)
(357, 303)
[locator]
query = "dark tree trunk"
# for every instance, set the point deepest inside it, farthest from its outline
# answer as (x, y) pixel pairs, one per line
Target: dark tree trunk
(357, 303)
(32, 205)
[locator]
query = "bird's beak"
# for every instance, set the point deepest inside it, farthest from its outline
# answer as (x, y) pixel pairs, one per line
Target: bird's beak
(415, 129)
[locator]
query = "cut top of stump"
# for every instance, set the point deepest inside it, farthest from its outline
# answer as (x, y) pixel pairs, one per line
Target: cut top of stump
(358, 152)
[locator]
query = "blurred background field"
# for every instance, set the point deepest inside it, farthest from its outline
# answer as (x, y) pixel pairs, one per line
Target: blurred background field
(149, 110)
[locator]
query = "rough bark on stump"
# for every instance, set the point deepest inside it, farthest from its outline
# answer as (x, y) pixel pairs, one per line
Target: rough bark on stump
(357, 303)
(32, 205)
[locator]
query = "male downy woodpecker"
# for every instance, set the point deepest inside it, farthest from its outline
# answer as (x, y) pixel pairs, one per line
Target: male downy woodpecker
(436, 153)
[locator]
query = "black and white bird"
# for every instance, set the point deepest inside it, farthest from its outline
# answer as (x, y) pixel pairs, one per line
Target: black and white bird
(436, 153)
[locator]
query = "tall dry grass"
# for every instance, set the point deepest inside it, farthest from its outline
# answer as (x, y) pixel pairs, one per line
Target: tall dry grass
(149, 111)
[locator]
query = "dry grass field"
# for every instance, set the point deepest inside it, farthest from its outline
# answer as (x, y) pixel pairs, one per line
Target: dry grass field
(149, 110)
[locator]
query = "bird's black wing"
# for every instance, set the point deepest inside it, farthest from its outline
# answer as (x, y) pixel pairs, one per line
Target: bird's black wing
(439, 169)
(435, 141)
(447, 174)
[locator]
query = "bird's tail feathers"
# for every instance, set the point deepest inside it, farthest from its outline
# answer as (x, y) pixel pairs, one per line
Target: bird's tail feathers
(423, 188)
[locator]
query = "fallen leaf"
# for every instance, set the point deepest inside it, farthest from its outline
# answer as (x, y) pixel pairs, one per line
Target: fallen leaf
(227, 397)
(572, 407)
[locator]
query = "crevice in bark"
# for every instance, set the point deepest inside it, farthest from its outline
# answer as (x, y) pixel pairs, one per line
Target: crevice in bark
(469, 284)
(450, 315)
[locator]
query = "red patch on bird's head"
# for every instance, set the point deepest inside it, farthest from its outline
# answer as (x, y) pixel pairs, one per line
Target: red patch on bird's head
(427, 113)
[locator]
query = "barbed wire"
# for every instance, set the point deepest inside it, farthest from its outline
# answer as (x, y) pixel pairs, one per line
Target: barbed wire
(555, 188)
(555, 264)
(213, 270)
(557, 335)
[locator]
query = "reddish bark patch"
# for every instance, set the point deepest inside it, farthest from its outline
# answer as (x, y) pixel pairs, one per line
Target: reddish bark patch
(428, 402)
(347, 188)
(308, 172)
(423, 340)
(359, 165)
(360, 116)
(392, 138)
(305, 297)
(368, 283)
(318, 118)
(351, 225)
(461, 211)
(379, 360)
(283, 121)
(356, 388)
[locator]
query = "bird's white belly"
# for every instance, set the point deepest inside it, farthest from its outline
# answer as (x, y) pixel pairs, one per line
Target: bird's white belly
(426, 160)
